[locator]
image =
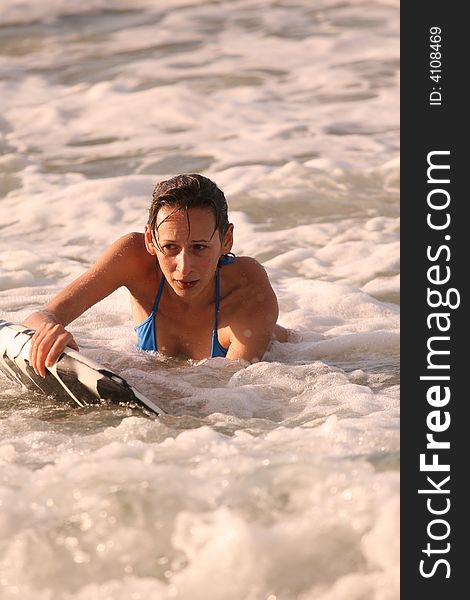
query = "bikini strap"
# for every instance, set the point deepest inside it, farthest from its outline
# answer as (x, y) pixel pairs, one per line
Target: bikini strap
(217, 299)
(157, 297)
(225, 259)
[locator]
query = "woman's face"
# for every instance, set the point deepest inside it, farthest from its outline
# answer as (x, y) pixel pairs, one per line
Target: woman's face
(189, 248)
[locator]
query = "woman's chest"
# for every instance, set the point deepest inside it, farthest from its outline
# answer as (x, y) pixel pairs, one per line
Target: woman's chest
(189, 335)
(189, 332)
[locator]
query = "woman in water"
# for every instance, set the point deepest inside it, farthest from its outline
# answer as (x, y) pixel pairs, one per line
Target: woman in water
(190, 295)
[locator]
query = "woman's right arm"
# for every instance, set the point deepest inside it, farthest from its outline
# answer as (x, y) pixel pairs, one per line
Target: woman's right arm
(113, 269)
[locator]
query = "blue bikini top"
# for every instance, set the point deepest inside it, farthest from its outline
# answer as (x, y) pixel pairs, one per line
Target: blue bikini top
(146, 335)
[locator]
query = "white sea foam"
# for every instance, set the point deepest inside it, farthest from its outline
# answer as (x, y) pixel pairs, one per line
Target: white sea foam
(274, 480)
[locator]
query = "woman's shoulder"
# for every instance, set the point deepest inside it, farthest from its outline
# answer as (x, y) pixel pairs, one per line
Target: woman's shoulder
(249, 281)
(132, 242)
(250, 297)
(249, 270)
(128, 255)
(131, 247)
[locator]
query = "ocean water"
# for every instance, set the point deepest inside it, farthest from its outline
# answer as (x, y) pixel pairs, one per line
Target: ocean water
(276, 481)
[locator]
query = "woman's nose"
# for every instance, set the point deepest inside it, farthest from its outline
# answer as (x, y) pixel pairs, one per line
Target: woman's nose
(183, 262)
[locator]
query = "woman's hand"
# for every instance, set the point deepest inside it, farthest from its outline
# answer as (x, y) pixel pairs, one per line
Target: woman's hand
(48, 342)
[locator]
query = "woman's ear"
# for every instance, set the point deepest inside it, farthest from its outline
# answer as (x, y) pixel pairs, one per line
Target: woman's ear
(228, 239)
(148, 241)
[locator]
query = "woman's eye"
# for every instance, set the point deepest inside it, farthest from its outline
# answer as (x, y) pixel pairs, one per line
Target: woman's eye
(199, 247)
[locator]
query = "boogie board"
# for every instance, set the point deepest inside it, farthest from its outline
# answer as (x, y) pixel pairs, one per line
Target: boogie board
(73, 378)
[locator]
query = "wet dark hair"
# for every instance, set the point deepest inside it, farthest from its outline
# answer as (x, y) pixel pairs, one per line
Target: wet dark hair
(188, 191)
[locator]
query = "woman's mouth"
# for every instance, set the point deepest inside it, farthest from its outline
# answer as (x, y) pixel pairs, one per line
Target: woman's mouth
(184, 285)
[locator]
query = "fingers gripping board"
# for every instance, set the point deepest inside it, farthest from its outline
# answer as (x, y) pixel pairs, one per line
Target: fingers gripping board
(72, 378)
